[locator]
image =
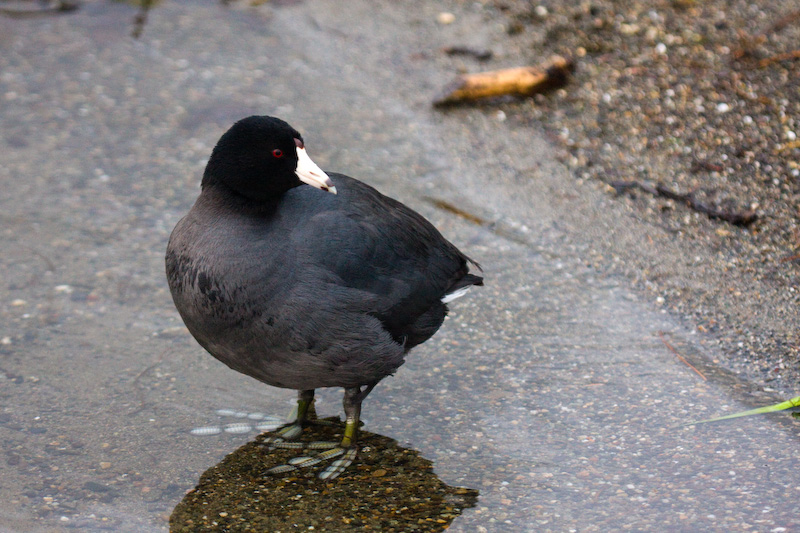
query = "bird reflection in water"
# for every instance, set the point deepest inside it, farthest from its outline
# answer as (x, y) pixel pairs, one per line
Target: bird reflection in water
(391, 488)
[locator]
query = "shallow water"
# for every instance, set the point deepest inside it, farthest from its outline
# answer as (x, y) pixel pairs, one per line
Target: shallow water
(551, 390)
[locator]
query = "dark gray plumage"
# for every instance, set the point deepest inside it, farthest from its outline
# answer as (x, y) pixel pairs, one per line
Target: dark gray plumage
(299, 288)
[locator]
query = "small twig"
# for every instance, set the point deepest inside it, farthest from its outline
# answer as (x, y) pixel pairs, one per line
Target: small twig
(140, 19)
(51, 267)
(784, 21)
(737, 218)
(42, 8)
(622, 186)
(679, 356)
(709, 166)
(480, 55)
(743, 218)
(794, 54)
(749, 42)
(137, 385)
(450, 208)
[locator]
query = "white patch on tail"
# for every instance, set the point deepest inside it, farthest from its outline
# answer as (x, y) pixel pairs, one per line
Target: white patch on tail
(447, 298)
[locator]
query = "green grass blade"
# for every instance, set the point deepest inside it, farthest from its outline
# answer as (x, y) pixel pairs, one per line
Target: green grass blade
(788, 404)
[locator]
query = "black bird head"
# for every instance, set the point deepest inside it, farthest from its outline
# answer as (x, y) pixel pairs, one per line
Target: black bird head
(262, 157)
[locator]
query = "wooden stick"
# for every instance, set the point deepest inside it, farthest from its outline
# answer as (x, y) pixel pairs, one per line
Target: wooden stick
(520, 81)
(794, 54)
(679, 356)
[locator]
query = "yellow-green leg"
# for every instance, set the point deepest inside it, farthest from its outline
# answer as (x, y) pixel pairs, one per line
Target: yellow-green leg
(348, 448)
(288, 432)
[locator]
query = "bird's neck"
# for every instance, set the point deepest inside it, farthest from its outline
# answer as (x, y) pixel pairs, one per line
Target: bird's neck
(223, 197)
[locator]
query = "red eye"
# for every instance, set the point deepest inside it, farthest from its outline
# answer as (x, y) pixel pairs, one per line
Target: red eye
(277, 152)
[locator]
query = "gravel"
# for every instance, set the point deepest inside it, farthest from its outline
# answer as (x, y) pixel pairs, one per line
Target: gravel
(700, 98)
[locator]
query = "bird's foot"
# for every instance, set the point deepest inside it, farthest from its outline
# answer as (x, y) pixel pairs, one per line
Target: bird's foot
(331, 450)
(287, 432)
(282, 436)
(344, 452)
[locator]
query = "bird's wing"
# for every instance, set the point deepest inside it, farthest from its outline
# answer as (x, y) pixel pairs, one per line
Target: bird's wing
(371, 243)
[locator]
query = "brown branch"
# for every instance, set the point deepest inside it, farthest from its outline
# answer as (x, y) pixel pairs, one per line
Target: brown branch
(737, 218)
(521, 81)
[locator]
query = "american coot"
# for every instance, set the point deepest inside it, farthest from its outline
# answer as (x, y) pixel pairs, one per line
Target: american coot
(303, 289)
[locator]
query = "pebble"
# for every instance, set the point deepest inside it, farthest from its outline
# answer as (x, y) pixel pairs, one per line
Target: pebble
(445, 18)
(267, 426)
(208, 430)
(238, 428)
